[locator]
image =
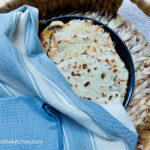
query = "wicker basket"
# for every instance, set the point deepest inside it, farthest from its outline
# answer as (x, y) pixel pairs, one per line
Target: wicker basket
(106, 12)
(144, 5)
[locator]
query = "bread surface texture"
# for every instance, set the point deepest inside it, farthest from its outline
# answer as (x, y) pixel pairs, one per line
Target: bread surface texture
(85, 55)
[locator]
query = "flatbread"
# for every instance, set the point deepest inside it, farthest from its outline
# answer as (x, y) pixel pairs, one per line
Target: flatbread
(86, 56)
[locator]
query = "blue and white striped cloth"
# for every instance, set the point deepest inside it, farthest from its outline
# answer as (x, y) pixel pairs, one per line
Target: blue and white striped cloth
(28, 78)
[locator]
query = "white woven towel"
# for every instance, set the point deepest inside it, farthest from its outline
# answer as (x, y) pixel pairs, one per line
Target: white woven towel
(133, 14)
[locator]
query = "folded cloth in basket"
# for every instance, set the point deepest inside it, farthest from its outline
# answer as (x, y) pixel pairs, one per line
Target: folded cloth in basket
(72, 123)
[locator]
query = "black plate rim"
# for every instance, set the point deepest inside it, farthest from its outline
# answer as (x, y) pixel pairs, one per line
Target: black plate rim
(131, 79)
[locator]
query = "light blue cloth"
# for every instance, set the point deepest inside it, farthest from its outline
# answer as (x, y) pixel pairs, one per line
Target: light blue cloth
(24, 121)
(28, 78)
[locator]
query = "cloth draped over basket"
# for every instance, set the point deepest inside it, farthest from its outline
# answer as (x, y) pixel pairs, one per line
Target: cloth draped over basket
(28, 76)
(106, 12)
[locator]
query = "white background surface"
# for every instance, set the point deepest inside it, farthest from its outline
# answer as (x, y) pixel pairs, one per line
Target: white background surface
(133, 14)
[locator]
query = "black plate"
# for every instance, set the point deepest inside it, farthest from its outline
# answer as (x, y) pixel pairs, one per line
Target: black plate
(120, 47)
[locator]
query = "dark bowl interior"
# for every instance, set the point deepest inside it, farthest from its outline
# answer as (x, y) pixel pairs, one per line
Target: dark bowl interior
(120, 47)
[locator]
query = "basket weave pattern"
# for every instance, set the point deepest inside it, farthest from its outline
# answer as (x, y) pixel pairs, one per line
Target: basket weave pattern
(48, 8)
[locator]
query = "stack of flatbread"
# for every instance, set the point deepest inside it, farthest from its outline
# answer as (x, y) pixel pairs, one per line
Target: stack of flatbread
(85, 55)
